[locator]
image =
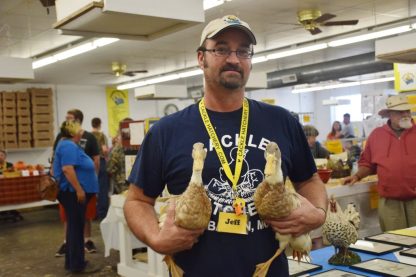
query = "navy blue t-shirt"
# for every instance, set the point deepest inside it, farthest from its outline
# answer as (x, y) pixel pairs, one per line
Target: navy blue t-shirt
(165, 158)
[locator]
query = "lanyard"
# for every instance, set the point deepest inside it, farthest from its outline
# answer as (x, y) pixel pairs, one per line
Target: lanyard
(217, 145)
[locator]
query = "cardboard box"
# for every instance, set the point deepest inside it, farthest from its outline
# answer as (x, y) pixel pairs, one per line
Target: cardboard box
(9, 111)
(9, 136)
(9, 96)
(11, 103)
(10, 144)
(24, 136)
(9, 128)
(42, 126)
(23, 103)
(23, 119)
(9, 120)
(22, 96)
(40, 92)
(24, 144)
(42, 109)
(24, 128)
(25, 111)
(42, 142)
(43, 135)
(45, 118)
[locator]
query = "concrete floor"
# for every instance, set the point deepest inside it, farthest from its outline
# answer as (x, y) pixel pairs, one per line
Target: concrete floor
(28, 246)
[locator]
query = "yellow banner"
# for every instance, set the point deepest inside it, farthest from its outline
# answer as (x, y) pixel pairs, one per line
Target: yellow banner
(334, 146)
(117, 108)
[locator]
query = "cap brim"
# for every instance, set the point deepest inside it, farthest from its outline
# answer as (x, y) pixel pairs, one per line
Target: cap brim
(241, 27)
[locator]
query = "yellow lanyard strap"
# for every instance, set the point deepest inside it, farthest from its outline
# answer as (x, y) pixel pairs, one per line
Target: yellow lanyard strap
(217, 145)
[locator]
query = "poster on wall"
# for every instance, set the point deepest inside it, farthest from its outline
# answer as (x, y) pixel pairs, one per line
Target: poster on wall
(117, 108)
(404, 77)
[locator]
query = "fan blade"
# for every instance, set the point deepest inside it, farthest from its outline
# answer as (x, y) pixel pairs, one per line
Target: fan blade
(315, 31)
(324, 17)
(138, 71)
(132, 73)
(101, 73)
(338, 23)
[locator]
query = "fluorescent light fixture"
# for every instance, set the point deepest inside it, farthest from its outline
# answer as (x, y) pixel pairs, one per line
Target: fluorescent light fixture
(190, 73)
(162, 79)
(374, 35)
(104, 41)
(379, 80)
(208, 4)
(73, 51)
(296, 51)
(43, 62)
(132, 85)
(303, 88)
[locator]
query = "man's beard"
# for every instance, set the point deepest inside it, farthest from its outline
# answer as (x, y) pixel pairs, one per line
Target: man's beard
(405, 123)
(233, 83)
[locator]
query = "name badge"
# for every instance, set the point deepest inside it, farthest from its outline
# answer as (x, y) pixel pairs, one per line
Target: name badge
(232, 223)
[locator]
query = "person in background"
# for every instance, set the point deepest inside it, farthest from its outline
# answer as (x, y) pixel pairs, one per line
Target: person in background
(75, 173)
(103, 198)
(335, 131)
(165, 159)
(4, 164)
(347, 130)
(89, 144)
(390, 152)
(116, 166)
(317, 150)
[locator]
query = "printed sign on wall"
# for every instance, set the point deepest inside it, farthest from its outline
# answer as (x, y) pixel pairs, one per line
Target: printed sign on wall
(117, 108)
(404, 77)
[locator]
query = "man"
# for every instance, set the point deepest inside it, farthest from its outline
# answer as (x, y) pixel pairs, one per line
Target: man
(390, 152)
(103, 198)
(318, 151)
(224, 55)
(90, 146)
(347, 130)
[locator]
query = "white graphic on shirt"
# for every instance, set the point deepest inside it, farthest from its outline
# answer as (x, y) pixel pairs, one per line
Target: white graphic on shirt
(221, 192)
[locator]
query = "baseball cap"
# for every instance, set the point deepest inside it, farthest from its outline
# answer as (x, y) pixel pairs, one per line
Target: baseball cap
(396, 103)
(220, 24)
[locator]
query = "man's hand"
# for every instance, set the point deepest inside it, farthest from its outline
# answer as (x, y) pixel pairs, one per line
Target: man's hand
(301, 221)
(350, 180)
(172, 238)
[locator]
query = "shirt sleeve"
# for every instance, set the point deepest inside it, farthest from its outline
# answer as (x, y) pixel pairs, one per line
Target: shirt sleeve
(147, 171)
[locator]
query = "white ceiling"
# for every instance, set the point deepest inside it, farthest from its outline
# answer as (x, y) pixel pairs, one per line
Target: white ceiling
(25, 31)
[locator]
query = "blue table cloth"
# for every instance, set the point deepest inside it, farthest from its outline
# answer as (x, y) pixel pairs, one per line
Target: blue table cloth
(321, 257)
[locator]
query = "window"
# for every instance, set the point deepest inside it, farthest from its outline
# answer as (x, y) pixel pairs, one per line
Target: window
(353, 108)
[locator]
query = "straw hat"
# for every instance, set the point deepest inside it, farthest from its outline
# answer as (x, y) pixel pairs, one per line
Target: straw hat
(395, 103)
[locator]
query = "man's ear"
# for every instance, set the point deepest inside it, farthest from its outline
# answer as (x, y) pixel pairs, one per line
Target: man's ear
(201, 59)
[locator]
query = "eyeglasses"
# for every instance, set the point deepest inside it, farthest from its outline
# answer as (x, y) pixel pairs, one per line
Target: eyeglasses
(225, 52)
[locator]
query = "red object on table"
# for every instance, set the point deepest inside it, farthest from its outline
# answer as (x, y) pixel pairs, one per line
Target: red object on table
(17, 190)
(325, 174)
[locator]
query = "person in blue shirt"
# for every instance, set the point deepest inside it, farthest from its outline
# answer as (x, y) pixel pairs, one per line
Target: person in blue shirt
(75, 172)
(164, 159)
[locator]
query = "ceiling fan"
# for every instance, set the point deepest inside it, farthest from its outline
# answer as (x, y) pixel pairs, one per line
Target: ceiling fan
(118, 69)
(312, 19)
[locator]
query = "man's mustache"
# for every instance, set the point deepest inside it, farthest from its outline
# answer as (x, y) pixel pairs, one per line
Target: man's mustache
(232, 68)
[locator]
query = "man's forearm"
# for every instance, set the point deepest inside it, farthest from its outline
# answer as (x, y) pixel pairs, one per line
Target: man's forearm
(314, 190)
(141, 219)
